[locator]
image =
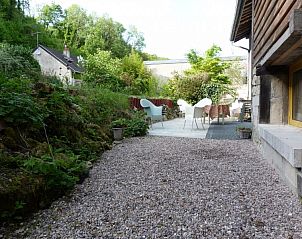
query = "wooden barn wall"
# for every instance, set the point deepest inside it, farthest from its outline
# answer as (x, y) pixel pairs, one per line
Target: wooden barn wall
(271, 20)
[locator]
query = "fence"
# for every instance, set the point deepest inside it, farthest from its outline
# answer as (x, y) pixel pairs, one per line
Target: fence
(134, 102)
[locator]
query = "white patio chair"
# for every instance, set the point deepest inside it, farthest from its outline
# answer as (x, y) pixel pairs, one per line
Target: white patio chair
(155, 113)
(197, 111)
(202, 103)
(182, 104)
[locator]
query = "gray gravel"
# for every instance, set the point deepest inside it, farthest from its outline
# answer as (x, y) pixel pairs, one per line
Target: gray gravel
(156, 187)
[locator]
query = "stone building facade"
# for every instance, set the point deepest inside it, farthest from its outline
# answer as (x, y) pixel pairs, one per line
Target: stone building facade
(274, 29)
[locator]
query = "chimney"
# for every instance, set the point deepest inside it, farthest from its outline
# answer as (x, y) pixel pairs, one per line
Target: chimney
(66, 51)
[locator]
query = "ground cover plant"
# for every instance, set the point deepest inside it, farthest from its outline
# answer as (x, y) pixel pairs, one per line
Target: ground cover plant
(50, 134)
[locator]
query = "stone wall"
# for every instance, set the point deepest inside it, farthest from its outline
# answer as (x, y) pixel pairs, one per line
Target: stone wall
(255, 94)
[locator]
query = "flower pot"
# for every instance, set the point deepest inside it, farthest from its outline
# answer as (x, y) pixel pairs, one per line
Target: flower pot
(117, 133)
(245, 134)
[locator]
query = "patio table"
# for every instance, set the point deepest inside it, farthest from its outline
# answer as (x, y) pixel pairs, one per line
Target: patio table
(215, 111)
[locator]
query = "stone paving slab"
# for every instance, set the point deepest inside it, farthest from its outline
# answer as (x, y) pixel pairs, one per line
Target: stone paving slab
(175, 128)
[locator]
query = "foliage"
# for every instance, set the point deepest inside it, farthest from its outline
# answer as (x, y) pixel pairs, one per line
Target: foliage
(135, 39)
(56, 130)
(75, 26)
(210, 64)
(60, 172)
(136, 126)
(133, 126)
(206, 78)
(102, 69)
(137, 78)
(17, 61)
(50, 15)
(119, 123)
(107, 35)
(236, 73)
(20, 109)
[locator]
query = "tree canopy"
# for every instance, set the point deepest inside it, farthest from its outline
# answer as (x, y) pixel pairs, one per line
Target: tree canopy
(205, 78)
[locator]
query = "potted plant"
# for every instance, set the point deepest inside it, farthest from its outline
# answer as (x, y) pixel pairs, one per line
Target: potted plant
(118, 127)
(244, 132)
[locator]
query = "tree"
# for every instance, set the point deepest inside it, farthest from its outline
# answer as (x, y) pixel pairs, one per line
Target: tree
(75, 26)
(15, 26)
(210, 64)
(50, 15)
(103, 69)
(236, 72)
(135, 39)
(107, 35)
(137, 78)
(205, 78)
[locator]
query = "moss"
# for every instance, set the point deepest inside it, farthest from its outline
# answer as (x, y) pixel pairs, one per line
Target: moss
(20, 193)
(10, 139)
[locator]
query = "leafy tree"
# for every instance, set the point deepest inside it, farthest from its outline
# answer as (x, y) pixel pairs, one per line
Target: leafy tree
(136, 76)
(236, 72)
(107, 35)
(103, 69)
(15, 27)
(206, 78)
(135, 39)
(210, 64)
(51, 15)
(75, 26)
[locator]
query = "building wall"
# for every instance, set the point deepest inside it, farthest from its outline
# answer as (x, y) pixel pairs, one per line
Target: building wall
(164, 71)
(51, 66)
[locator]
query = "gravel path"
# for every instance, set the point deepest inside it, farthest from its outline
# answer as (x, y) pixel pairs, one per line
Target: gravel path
(157, 187)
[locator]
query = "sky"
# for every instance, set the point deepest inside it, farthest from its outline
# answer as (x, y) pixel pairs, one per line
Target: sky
(170, 27)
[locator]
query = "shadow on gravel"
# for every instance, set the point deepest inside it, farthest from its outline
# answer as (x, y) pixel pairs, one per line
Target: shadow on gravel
(226, 130)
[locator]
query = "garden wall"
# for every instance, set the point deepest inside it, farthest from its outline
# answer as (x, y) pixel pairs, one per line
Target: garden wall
(134, 102)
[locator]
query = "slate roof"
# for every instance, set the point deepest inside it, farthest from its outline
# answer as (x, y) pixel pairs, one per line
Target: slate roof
(72, 62)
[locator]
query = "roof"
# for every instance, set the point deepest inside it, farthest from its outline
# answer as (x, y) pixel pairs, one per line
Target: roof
(160, 62)
(184, 61)
(71, 62)
(242, 24)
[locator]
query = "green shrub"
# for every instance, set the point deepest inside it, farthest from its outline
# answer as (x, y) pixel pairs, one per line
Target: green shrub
(136, 127)
(133, 126)
(60, 172)
(103, 69)
(119, 123)
(17, 61)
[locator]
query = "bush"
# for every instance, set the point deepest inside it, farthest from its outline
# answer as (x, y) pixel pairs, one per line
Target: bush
(17, 61)
(102, 69)
(136, 126)
(52, 133)
(133, 126)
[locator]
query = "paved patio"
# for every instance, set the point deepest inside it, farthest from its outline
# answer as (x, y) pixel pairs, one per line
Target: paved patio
(175, 128)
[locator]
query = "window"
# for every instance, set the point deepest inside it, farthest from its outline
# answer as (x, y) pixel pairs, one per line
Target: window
(295, 95)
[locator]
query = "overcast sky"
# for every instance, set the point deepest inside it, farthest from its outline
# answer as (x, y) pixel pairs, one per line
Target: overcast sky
(171, 27)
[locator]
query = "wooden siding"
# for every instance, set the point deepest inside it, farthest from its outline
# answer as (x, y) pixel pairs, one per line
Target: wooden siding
(271, 19)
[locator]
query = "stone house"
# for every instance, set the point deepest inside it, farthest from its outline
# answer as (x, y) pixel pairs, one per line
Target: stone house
(60, 64)
(274, 29)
